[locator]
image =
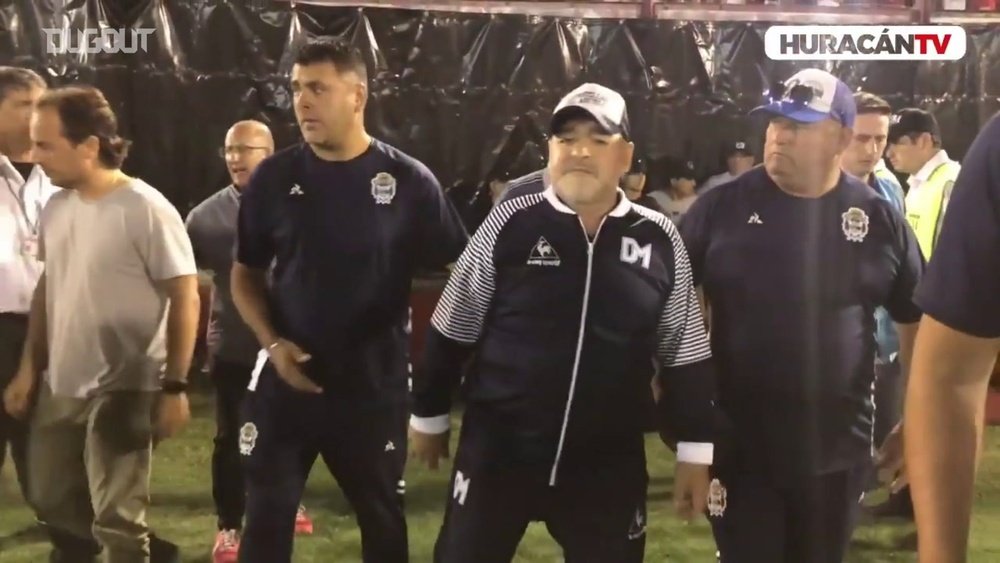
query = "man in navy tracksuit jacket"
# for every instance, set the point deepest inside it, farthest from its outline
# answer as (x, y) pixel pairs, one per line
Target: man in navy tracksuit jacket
(566, 297)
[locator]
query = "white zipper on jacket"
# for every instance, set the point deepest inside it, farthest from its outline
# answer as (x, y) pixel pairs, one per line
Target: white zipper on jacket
(579, 347)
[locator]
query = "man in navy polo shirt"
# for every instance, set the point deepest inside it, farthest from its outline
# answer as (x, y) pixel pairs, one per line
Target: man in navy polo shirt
(347, 220)
(793, 259)
(955, 354)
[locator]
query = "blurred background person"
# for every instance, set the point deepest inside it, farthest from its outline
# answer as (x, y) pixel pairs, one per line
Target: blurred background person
(677, 187)
(232, 346)
(26, 189)
(915, 148)
(634, 185)
(739, 159)
(863, 159)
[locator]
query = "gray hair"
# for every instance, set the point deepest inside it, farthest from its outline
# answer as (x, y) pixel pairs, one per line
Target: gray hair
(17, 78)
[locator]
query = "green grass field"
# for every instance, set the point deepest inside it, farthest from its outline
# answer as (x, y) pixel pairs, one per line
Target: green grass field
(182, 512)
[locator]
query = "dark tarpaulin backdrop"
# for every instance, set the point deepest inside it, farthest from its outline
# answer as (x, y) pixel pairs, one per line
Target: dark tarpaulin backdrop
(467, 94)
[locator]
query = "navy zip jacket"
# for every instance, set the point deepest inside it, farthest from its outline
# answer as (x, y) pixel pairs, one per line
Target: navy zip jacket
(564, 329)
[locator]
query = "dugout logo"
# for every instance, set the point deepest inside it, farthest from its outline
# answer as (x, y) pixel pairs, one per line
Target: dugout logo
(96, 41)
(865, 43)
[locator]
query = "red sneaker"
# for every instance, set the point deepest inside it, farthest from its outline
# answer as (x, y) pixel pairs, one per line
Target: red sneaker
(227, 547)
(303, 524)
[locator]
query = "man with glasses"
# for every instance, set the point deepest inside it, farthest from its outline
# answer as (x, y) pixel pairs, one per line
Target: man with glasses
(793, 258)
(232, 346)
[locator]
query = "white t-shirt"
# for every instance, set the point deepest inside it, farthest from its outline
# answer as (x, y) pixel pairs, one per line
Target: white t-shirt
(105, 311)
(716, 181)
(674, 209)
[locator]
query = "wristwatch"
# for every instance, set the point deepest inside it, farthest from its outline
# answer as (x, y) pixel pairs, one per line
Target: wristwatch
(174, 386)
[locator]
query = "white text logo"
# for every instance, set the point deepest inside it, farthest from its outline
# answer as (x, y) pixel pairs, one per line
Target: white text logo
(865, 43)
(461, 487)
(93, 41)
(633, 253)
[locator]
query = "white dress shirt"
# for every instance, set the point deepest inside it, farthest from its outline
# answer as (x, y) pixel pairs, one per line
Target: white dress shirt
(915, 181)
(21, 203)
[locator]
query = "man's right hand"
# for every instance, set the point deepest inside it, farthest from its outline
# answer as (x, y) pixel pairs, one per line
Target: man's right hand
(429, 448)
(287, 357)
(17, 395)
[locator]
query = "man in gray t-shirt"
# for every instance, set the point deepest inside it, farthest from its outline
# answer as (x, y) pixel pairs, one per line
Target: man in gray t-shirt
(232, 346)
(113, 323)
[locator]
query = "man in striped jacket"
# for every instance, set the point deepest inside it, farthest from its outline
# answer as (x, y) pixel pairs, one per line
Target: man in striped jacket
(565, 296)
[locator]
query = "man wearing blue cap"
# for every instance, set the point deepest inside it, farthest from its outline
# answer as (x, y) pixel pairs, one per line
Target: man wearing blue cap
(794, 257)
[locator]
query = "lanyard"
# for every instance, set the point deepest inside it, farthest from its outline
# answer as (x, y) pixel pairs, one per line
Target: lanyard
(22, 205)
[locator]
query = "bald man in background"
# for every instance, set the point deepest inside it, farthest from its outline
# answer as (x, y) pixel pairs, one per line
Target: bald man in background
(232, 346)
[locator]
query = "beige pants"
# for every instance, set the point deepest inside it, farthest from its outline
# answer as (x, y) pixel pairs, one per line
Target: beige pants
(90, 467)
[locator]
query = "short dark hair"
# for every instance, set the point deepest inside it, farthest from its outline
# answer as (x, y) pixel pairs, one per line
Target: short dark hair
(338, 52)
(868, 103)
(17, 78)
(85, 112)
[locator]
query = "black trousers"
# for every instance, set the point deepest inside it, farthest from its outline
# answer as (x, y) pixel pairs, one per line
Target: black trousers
(364, 447)
(13, 332)
(228, 484)
(756, 521)
(596, 511)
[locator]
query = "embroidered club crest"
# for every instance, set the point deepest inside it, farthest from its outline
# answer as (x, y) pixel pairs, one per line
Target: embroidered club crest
(248, 438)
(855, 224)
(383, 188)
(716, 498)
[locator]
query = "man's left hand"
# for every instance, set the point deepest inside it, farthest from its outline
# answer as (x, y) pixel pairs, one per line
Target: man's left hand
(173, 414)
(890, 461)
(691, 483)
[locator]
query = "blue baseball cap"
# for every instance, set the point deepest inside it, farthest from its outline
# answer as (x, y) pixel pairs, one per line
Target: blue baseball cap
(809, 96)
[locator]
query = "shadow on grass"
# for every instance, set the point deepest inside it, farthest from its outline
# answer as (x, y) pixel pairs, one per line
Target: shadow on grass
(191, 501)
(25, 536)
(422, 497)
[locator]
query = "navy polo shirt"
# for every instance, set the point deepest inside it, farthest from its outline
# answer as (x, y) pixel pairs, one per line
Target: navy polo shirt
(345, 239)
(962, 285)
(793, 284)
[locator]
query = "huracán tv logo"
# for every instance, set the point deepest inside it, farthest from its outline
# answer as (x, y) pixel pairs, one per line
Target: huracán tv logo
(866, 43)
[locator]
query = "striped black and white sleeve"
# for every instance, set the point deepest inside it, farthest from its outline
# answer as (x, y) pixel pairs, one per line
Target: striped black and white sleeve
(458, 321)
(687, 374)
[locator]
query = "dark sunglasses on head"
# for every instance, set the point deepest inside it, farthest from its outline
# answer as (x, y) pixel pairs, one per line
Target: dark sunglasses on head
(800, 94)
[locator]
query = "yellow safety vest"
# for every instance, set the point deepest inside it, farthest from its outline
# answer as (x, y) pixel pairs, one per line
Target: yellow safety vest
(925, 208)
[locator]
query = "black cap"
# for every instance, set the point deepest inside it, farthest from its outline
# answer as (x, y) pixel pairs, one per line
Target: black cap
(912, 122)
(677, 168)
(738, 147)
(638, 165)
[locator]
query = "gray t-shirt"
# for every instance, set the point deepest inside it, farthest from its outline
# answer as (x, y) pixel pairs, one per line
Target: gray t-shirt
(212, 228)
(106, 313)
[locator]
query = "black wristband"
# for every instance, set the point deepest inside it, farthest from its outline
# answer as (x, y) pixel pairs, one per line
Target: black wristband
(174, 386)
